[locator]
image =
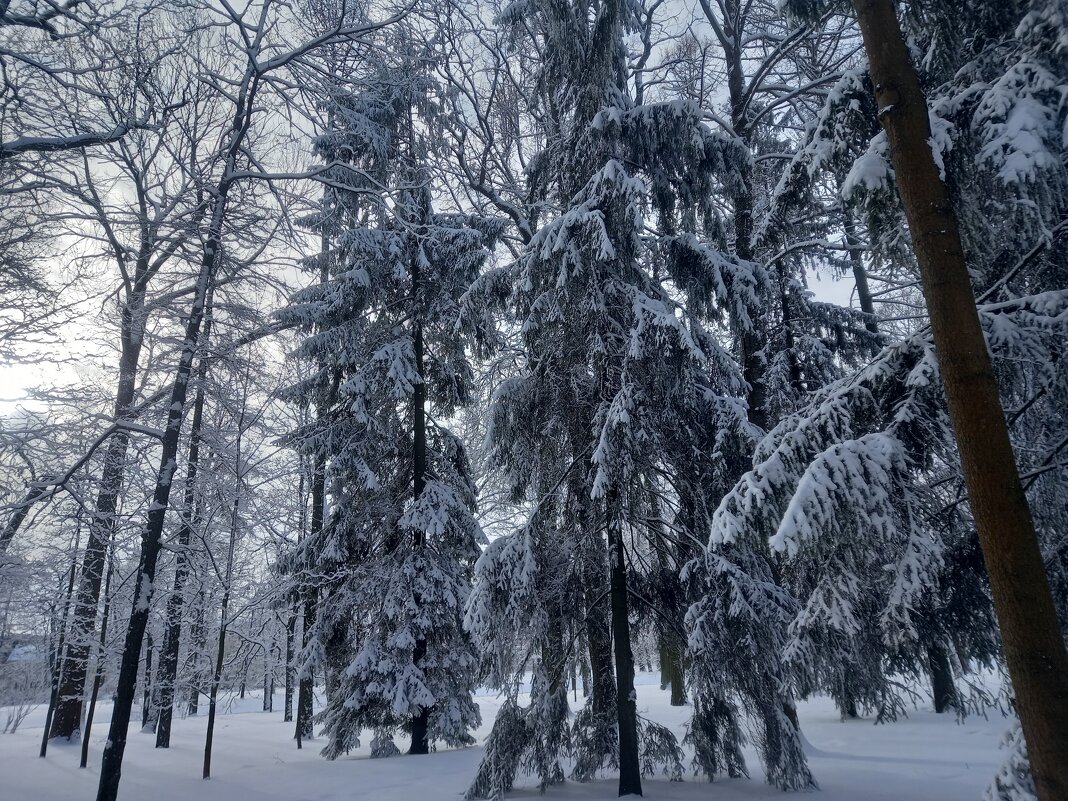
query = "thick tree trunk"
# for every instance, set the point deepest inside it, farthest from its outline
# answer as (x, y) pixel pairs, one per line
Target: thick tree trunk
(1031, 636)
(630, 777)
(676, 674)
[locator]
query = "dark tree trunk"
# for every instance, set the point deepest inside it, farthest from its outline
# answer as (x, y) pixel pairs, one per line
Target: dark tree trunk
(198, 643)
(305, 703)
(599, 633)
(152, 535)
(18, 516)
(1031, 636)
(291, 626)
(56, 658)
(943, 692)
(630, 778)
(305, 710)
(860, 273)
(421, 720)
(76, 663)
(98, 677)
(268, 677)
(235, 520)
(676, 674)
(168, 663)
(148, 685)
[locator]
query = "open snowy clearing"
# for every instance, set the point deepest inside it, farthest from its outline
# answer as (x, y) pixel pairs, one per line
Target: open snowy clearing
(926, 756)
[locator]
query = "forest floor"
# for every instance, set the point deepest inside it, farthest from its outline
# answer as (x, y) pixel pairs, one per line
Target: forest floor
(924, 757)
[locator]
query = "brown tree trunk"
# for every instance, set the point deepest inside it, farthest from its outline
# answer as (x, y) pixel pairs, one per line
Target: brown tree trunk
(1032, 639)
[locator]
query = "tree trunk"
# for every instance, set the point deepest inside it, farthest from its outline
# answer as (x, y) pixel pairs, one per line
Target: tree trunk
(598, 634)
(630, 777)
(943, 693)
(305, 710)
(152, 535)
(149, 684)
(268, 677)
(168, 663)
(676, 674)
(235, 521)
(56, 656)
(199, 641)
(291, 626)
(76, 663)
(860, 273)
(98, 677)
(421, 720)
(1032, 639)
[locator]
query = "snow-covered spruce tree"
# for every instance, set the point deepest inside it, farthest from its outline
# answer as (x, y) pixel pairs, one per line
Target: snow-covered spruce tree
(619, 368)
(395, 554)
(794, 345)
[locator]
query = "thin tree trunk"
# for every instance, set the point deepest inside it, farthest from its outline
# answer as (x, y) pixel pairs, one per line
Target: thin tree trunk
(168, 663)
(291, 626)
(69, 704)
(149, 683)
(58, 653)
(18, 516)
(421, 720)
(305, 709)
(860, 273)
(98, 676)
(630, 778)
(235, 520)
(199, 642)
(216, 676)
(152, 535)
(1031, 636)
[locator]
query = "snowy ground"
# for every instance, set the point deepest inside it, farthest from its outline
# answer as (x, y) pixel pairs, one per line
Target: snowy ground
(926, 756)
